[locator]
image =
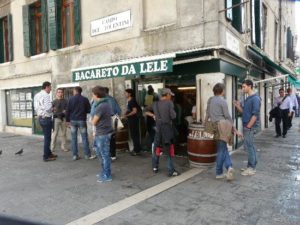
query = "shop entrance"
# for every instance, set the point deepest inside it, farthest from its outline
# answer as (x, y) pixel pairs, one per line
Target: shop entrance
(184, 100)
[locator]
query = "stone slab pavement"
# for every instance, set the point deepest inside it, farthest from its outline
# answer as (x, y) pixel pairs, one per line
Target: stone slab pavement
(63, 191)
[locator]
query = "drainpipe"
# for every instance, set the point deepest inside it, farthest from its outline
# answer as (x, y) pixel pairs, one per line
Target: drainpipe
(280, 30)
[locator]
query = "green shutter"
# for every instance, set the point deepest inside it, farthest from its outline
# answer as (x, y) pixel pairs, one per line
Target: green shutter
(10, 37)
(59, 23)
(77, 22)
(258, 24)
(289, 44)
(52, 24)
(237, 15)
(26, 31)
(1, 42)
(44, 25)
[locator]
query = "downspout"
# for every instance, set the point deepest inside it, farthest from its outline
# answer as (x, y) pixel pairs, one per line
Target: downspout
(280, 29)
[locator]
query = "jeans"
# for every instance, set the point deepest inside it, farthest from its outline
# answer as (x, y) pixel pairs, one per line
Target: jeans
(249, 146)
(223, 157)
(82, 126)
(46, 124)
(103, 153)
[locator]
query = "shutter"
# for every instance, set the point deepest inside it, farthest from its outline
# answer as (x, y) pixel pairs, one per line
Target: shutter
(1, 42)
(10, 37)
(237, 16)
(77, 22)
(58, 23)
(52, 24)
(258, 24)
(26, 33)
(289, 43)
(44, 25)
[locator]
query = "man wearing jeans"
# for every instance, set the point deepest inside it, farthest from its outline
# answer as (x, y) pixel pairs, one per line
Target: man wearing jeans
(102, 121)
(43, 108)
(77, 110)
(250, 118)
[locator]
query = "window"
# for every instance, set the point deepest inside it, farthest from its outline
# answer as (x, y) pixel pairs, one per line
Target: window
(35, 28)
(289, 44)
(6, 41)
(19, 107)
(276, 41)
(64, 23)
(235, 14)
(256, 23)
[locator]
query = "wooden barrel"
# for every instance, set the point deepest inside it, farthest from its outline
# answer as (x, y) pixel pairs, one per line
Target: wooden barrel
(202, 149)
(122, 139)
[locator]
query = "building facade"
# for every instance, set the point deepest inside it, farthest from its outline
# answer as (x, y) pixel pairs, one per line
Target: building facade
(185, 45)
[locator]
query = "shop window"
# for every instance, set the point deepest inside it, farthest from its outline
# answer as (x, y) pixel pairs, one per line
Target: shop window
(35, 28)
(235, 14)
(64, 23)
(6, 41)
(19, 107)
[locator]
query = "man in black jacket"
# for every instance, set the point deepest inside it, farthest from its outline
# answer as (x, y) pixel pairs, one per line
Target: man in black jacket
(77, 110)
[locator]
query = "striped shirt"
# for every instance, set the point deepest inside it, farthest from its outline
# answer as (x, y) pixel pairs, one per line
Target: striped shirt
(43, 104)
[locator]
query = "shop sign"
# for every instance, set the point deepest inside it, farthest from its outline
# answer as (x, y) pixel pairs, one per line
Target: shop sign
(122, 70)
(111, 23)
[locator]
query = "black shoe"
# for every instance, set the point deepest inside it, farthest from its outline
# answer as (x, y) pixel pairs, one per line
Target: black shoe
(52, 155)
(49, 159)
(284, 136)
(277, 135)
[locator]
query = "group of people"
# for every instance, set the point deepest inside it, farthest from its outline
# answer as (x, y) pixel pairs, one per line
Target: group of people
(217, 115)
(160, 112)
(57, 115)
(285, 106)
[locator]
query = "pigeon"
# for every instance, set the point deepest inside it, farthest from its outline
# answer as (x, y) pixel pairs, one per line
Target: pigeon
(19, 152)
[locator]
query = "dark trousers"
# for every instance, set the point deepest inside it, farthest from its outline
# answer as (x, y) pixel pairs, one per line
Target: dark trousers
(46, 124)
(113, 145)
(290, 118)
(277, 125)
(134, 128)
(285, 120)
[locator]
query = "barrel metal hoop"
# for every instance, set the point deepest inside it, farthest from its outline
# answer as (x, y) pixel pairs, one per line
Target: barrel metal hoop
(202, 155)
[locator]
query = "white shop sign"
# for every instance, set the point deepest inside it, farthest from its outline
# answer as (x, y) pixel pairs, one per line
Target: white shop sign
(111, 23)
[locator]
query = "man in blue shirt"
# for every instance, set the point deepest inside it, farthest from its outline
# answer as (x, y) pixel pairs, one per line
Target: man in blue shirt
(250, 118)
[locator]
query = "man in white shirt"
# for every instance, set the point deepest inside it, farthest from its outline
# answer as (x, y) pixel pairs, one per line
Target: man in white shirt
(295, 106)
(43, 108)
(286, 108)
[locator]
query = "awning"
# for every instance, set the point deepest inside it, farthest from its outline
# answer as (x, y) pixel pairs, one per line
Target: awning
(136, 66)
(268, 60)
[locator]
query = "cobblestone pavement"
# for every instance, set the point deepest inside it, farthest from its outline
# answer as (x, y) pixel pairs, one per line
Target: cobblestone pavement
(62, 191)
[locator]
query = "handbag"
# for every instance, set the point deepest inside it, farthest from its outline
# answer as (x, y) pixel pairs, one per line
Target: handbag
(116, 122)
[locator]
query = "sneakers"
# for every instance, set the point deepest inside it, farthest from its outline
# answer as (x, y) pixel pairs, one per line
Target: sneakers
(248, 172)
(229, 175)
(65, 150)
(155, 170)
(76, 157)
(90, 157)
(113, 158)
(174, 174)
(221, 176)
(103, 180)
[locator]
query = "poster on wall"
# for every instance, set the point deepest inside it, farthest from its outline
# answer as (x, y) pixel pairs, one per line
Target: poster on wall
(22, 106)
(14, 97)
(23, 115)
(28, 96)
(29, 114)
(28, 105)
(21, 96)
